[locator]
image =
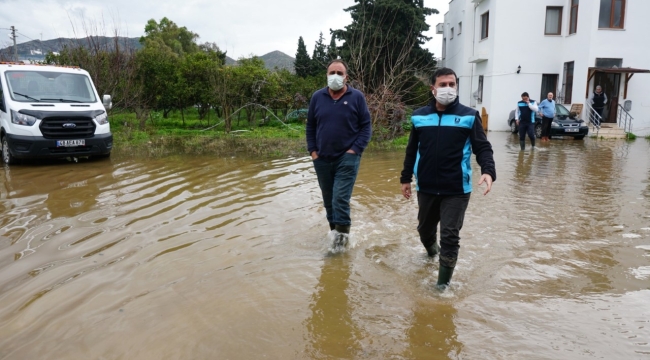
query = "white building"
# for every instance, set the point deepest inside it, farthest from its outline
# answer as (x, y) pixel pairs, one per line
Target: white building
(501, 48)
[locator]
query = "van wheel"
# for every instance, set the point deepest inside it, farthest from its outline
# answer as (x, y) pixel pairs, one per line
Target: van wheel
(538, 131)
(513, 127)
(7, 158)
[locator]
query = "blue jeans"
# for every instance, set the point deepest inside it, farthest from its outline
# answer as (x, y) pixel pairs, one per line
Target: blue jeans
(336, 180)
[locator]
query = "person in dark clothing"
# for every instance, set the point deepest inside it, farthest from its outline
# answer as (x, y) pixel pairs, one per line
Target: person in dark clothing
(598, 99)
(443, 136)
(338, 130)
(525, 117)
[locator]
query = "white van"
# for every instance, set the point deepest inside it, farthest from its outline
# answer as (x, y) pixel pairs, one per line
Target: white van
(51, 111)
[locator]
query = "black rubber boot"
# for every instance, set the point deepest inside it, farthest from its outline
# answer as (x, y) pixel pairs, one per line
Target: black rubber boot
(532, 143)
(332, 226)
(444, 277)
(522, 144)
(342, 236)
(433, 250)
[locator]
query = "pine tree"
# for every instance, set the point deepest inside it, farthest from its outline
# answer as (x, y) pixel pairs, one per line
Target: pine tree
(332, 51)
(319, 59)
(302, 64)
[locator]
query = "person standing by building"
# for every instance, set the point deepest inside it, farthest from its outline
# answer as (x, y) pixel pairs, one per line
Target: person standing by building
(338, 130)
(443, 136)
(598, 100)
(525, 117)
(547, 109)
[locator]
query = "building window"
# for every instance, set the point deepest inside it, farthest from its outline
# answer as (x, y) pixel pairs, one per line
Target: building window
(549, 84)
(609, 63)
(451, 34)
(485, 24)
(567, 83)
(573, 24)
(553, 20)
(460, 27)
(612, 14)
(479, 99)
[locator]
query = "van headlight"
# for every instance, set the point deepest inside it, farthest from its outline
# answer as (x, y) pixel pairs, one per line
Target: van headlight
(102, 119)
(22, 119)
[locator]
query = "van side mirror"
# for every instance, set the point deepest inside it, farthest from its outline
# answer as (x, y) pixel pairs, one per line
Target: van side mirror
(107, 101)
(3, 108)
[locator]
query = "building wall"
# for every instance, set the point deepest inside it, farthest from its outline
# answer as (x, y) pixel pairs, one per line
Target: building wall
(516, 38)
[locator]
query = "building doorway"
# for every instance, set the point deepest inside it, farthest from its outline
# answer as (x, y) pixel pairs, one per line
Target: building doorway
(611, 84)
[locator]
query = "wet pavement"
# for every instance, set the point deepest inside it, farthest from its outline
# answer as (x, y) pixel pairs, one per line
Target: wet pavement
(202, 258)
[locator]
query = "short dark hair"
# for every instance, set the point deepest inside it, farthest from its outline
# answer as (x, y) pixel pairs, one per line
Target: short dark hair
(443, 71)
(339, 61)
(525, 94)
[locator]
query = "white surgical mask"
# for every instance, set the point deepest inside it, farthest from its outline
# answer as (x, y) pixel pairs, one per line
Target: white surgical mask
(335, 82)
(445, 96)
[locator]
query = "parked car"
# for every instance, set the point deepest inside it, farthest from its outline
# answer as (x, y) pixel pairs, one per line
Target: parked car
(51, 111)
(564, 124)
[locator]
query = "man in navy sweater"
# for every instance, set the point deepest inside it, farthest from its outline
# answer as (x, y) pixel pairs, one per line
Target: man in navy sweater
(443, 136)
(338, 130)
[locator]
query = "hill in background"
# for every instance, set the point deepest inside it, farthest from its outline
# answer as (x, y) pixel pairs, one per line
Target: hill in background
(36, 50)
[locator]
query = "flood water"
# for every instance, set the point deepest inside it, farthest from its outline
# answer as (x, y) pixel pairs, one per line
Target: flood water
(205, 258)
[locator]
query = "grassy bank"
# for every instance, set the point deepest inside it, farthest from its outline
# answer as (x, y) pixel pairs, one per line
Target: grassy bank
(186, 134)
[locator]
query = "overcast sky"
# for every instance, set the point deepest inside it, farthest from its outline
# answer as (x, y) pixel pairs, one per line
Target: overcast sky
(241, 27)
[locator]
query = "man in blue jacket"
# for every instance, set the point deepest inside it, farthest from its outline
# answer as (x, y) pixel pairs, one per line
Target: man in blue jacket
(443, 136)
(525, 117)
(547, 109)
(338, 130)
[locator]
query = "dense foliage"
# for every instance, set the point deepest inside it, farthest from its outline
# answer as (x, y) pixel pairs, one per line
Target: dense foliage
(173, 72)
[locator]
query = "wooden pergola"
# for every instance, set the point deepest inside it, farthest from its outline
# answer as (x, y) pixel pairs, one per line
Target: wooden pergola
(628, 72)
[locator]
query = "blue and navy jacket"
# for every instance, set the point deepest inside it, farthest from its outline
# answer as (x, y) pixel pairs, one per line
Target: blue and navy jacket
(440, 146)
(525, 113)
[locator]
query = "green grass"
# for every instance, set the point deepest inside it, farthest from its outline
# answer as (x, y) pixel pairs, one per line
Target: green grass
(163, 137)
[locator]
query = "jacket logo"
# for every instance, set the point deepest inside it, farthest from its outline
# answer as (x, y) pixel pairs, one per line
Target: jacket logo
(457, 120)
(69, 125)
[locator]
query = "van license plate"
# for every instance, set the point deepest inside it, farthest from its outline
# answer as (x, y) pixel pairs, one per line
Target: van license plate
(68, 143)
(571, 130)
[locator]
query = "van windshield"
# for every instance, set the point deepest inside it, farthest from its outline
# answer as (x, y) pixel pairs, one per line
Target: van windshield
(49, 86)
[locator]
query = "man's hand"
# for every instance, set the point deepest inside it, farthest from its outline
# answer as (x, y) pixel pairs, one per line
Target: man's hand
(517, 121)
(314, 155)
(485, 178)
(406, 190)
(350, 151)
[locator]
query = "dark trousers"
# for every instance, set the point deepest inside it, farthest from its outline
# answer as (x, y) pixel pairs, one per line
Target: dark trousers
(600, 112)
(336, 180)
(546, 126)
(449, 211)
(527, 127)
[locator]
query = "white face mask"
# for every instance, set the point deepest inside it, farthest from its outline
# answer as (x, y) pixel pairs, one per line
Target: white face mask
(445, 96)
(335, 82)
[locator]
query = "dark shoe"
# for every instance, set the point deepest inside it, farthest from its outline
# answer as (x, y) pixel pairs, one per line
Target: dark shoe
(433, 250)
(332, 226)
(342, 235)
(522, 144)
(444, 277)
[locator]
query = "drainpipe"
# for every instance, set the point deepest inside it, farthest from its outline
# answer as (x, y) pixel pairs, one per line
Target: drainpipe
(471, 79)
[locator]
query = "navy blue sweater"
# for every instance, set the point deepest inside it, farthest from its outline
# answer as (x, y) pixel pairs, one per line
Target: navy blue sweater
(440, 146)
(334, 127)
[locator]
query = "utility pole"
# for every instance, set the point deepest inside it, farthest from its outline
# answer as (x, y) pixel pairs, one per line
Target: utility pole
(13, 36)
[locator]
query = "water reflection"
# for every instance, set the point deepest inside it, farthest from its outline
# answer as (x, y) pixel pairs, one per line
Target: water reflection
(332, 331)
(432, 334)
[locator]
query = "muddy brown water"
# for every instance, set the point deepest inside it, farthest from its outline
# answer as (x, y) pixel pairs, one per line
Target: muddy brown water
(204, 258)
